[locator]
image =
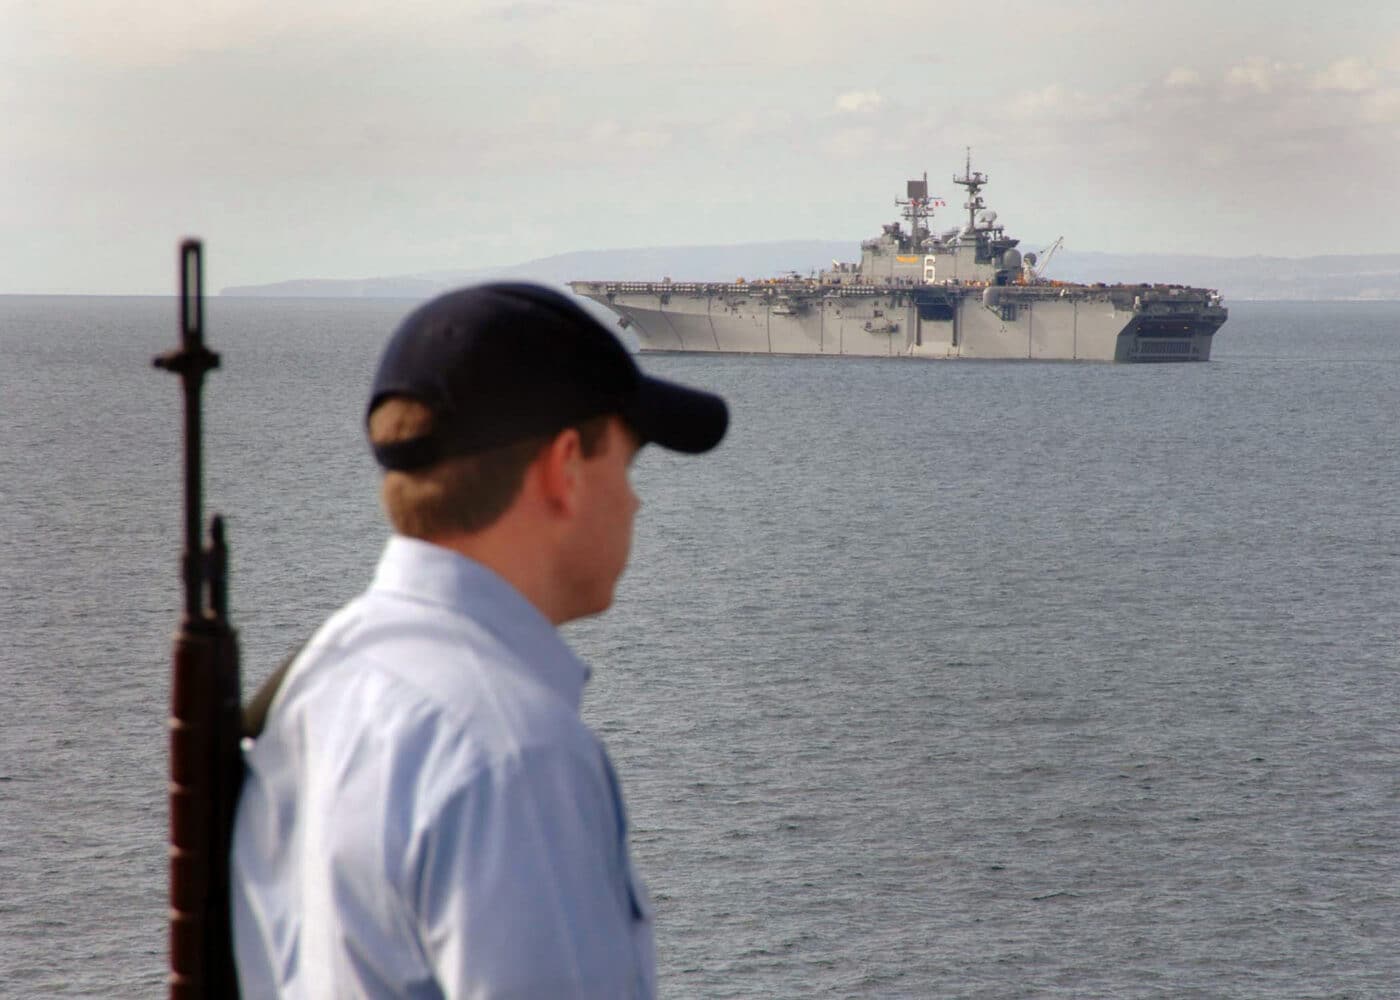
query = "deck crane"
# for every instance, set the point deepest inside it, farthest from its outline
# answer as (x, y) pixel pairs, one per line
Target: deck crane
(1037, 263)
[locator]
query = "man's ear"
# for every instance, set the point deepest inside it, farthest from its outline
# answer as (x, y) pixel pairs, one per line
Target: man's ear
(560, 471)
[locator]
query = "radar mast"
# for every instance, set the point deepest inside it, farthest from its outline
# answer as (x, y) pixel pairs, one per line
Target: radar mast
(973, 182)
(918, 209)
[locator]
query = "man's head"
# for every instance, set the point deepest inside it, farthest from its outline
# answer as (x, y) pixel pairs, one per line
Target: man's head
(506, 417)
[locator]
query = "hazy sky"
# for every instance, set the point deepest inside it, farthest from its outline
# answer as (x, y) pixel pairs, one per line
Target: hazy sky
(340, 138)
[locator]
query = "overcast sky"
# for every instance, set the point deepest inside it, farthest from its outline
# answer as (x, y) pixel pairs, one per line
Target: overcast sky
(341, 138)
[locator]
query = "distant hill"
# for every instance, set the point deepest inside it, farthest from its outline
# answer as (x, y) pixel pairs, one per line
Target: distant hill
(1373, 276)
(1370, 276)
(711, 263)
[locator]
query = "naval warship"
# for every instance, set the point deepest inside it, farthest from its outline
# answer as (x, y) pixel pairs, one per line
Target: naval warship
(965, 292)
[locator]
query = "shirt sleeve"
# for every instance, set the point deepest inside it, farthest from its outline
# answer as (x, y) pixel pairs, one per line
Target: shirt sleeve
(523, 884)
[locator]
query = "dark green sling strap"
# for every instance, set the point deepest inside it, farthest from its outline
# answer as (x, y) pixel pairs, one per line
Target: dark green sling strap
(255, 712)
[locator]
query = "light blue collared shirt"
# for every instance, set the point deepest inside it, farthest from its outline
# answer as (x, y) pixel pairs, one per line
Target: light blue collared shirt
(426, 815)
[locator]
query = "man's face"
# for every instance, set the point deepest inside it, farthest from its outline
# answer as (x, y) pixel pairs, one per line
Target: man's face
(597, 553)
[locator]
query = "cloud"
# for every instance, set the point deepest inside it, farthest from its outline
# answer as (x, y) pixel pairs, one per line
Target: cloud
(1181, 76)
(859, 102)
(1046, 100)
(1257, 75)
(1057, 103)
(610, 134)
(1243, 149)
(1381, 107)
(1245, 114)
(1351, 75)
(1056, 110)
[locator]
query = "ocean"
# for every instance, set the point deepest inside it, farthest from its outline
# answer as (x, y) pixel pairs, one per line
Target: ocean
(961, 679)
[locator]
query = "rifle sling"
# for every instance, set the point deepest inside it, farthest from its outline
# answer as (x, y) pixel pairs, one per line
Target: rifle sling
(255, 712)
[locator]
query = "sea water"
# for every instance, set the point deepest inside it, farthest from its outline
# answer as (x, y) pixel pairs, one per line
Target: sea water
(962, 679)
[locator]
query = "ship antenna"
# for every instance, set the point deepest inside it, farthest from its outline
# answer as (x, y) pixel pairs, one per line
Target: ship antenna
(973, 182)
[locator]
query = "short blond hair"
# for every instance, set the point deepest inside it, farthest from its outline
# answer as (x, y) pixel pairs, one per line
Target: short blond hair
(463, 493)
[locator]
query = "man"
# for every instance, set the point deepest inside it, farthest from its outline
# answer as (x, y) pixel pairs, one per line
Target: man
(425, 814)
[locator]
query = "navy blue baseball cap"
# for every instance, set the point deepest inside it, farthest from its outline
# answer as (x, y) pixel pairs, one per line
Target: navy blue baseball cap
(502, 362)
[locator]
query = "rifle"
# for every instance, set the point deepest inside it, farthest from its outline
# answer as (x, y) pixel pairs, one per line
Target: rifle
(206, 767)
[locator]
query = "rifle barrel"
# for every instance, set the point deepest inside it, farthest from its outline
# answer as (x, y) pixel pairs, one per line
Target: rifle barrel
(191, 361)
(205, 763)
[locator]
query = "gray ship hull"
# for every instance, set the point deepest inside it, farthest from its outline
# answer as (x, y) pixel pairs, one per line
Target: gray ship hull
(1123, 323)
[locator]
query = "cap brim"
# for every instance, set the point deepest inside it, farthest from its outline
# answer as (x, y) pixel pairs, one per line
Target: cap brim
(678, 417)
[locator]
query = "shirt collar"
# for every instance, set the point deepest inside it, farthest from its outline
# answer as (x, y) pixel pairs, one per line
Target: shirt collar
(431, 574)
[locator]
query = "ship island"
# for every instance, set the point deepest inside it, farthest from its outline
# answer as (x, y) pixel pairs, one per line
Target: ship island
(963, 292)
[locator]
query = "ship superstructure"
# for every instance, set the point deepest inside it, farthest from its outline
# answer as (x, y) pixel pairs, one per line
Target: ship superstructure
(964, 292)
